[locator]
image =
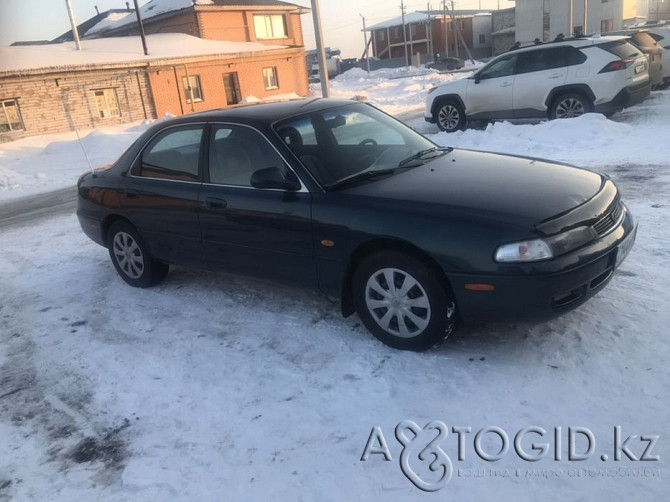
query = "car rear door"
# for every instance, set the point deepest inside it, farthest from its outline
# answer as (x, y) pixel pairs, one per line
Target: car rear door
(490, 92)
(538, 72)
(160, 194)
(262, 232)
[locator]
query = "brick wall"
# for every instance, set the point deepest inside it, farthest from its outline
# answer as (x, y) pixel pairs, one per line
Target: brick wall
(170, 97)
(65, 101)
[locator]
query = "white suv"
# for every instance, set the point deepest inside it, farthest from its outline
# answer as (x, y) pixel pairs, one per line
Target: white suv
(553, 80)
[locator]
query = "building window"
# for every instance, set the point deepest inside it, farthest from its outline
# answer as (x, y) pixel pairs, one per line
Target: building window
(606, 25)
(482, 38)
(381, 34)
(10, 116)
(413, 30)
(270, 26)
(270, 78)
(193, 89)
(106, 103)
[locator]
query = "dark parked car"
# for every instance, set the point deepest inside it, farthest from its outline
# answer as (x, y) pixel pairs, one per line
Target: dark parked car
(643, 40)
(339, 196)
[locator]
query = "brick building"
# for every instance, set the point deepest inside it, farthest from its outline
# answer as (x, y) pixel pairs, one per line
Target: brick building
(54, 88)
(431, 33)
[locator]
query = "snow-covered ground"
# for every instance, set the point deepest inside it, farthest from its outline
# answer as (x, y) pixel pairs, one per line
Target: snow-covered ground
(216, 387)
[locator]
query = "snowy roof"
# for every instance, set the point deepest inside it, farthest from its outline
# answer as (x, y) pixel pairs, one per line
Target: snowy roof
(422, 17)
(101, 51)
(155, 8)
(412, 17)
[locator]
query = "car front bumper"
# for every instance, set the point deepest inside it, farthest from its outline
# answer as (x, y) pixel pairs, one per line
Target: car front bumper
(542, 296)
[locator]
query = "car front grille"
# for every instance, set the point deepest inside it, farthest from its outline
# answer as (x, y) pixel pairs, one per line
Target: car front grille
(610, 221)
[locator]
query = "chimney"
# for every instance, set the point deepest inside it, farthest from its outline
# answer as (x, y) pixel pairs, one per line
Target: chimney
(96, 10)
(128, 6)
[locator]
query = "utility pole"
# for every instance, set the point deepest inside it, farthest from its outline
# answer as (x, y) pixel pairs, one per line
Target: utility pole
(570, 19)
(365, 40)
(458, 31)
(429, 35)
(144, 38)
(460, 36)
(586, 17)
(75, 33)
(318, 35)
(446, 29)
(404, 37)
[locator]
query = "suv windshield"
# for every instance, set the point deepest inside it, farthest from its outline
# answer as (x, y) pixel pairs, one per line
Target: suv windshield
(339, 143)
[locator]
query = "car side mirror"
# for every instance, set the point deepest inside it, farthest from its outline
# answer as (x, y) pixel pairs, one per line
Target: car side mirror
(477, 78)
(274, 177)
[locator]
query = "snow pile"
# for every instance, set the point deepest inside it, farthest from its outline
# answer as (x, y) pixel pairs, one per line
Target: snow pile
(110, 21)
(639, 135)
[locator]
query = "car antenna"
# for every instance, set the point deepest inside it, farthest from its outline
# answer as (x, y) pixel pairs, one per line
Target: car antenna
(88, 161)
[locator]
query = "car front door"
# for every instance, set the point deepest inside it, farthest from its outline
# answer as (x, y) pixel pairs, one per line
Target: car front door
(538, 72)
(160, 194)
(262, 232)
(491, 91)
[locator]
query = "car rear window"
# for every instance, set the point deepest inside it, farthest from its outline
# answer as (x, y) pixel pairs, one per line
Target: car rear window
(644, 39)
(622, 49)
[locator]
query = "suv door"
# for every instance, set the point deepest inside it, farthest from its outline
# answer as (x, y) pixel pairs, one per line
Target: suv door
(490, 92)
(254, 231)
(538, 72)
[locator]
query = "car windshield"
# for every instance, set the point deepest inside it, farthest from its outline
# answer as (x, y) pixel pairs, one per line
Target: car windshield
(338, 144)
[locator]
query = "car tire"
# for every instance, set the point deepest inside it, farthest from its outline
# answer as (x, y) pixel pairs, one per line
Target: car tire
(415, 315)
(131, 258)
(450, 117)
(569, 105)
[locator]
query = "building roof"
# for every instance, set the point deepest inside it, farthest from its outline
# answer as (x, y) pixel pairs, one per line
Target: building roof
(164, 8)
(422, 17)
(122, 50)
(86, 26)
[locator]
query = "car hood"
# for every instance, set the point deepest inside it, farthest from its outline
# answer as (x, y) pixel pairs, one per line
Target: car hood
(519, 191)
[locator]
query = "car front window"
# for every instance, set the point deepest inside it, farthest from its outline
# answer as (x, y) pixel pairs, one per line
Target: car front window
(338, 143)
(503, 67)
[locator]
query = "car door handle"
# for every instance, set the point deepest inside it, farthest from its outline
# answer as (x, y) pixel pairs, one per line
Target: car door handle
(556, 75)
(506, 84)
(131, 194)
(215, 203)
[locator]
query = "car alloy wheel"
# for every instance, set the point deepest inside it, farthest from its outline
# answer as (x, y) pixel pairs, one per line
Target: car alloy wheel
(402, 302)
(397, 302)
(449, 117)
(131, 258)
(570, 106)
(128, 255)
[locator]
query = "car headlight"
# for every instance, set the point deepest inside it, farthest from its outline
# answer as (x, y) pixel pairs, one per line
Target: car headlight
(543, 249)
(524, 251)
(433, 89)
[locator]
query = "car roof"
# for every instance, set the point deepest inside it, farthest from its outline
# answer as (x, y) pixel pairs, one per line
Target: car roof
(573, 42)
(265, 112)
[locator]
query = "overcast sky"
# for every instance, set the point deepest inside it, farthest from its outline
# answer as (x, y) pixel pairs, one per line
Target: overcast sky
(342, 24)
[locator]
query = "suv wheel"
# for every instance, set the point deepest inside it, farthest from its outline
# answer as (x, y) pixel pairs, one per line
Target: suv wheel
(450, 116)
(568, 106)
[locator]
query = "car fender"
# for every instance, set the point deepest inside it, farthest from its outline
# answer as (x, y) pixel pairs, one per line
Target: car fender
(576, 88)
(443, 98)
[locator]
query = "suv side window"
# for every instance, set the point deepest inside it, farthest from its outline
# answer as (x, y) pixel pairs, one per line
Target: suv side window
(173, 155)
(541, 59)
(574, 56)
(503, 67)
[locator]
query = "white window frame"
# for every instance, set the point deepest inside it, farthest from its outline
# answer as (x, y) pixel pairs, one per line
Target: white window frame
(192, 83)
(270, 26)
(111, 107)
(5, 117)
(270, 78)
